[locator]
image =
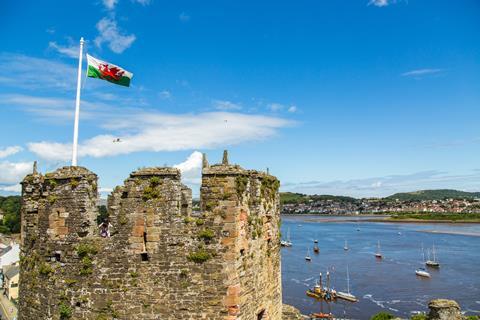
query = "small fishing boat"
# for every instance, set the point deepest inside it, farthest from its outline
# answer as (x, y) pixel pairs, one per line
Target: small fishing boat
(315, 241)
(316, 249)
(421, 272)
(378, 254)
(308, 257)
(432, 263)
(320, 315)
(345, 247)
(347, 295)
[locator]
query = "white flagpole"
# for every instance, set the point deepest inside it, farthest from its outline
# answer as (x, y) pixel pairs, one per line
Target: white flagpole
(77, 106)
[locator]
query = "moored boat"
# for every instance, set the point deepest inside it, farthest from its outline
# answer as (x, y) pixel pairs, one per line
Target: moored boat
(421, 272)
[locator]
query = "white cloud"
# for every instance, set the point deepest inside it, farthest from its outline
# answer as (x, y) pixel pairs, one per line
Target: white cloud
(226, 105)
(110, 4)
(292, 109)
(8, 151)
(380, 3)
(143, 2)
(191, 168)
(275, 107)
(71, 51)
(184, 17)
(22, 71)
(165, 94)
(154, 132)
(14, 172)
(109, 33)
(105, 190)
(16, 188)
(421, 72)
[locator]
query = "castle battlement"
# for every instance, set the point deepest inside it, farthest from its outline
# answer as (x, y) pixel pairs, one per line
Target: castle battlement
(160, 260)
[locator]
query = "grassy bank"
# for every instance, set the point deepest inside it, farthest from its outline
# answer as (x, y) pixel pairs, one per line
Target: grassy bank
(436, 217)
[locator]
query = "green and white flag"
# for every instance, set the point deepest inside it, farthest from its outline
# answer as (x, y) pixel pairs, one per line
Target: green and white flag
(107, 71)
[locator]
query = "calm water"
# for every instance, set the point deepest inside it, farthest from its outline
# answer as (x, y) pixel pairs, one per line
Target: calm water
(387, 285)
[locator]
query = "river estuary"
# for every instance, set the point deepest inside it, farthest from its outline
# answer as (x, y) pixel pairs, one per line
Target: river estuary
(389, 284)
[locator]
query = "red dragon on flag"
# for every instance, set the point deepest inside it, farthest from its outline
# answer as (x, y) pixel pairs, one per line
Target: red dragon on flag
(111, 73)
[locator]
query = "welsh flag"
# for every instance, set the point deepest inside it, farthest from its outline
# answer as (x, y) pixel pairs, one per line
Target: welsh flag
(107, 71)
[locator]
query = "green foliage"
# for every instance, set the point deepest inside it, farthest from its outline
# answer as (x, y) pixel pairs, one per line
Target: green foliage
(133, 274)
(51, 199)
(241, 183)
(45, 269)
(199, 256)
(420, 316)
(102, 214)
(53, 183)
(206, 234)
(74, 183)
(437, 216)
(296, 198)
(10, 206)
(382, 316)
(65, 311)
(155, 181)
(85, 249)
(188, 219)
(150, 193)
(199, 222)
(87, 266)
(440, 194)
(472, 318)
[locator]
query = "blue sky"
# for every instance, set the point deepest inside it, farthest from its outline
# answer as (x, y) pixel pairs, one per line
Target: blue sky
(360, 98)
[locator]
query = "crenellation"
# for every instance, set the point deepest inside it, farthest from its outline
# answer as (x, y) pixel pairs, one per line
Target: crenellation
(157, 260)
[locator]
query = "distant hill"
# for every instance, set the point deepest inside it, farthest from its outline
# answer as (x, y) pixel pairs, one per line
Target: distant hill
(290, 197)
(434, 195)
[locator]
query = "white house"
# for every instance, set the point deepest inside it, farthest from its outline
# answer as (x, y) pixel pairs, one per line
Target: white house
(9, 255)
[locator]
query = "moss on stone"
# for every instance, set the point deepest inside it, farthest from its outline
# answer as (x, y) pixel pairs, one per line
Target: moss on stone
(51, 199)
(65, 311)
(241, 183)
(199, 256)
(206, 234)
(74, 183)
(199, 222)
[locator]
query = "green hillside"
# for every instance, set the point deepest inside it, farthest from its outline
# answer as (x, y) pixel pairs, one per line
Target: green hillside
(290, 197)
(434, 195)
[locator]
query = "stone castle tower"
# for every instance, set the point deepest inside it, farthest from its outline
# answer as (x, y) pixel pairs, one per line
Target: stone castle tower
(161, 261)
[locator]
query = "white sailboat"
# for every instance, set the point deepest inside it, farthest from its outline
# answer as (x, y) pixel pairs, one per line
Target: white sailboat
(378, 254)
(421, 272)
(347, 295)
(345, 247)
(433, 263)
(286, 243)
(308, 257)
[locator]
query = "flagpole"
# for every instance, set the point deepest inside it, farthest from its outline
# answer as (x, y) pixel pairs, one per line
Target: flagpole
(77, 106)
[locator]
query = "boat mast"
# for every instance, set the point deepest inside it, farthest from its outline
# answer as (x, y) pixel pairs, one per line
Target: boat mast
(328, 281)
(348, 282)
(423, 254)
(321, 285)
(434, 256)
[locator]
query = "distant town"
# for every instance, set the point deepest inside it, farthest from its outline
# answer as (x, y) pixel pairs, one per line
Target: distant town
(427, 201)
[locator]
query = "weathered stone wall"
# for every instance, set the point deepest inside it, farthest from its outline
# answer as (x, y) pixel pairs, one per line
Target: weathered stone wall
(161, 262)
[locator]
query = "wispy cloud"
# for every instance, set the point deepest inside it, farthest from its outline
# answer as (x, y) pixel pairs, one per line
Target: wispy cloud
(387, 185)
(226, 105)
(9, 151)
(184, 17)
(110, 34)
(421, 72)
(153, 131)
(381, 3)
(71, 50)
(292, 109)
(143, 2)
(20, 71)
(110, 4)
(165, 94)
